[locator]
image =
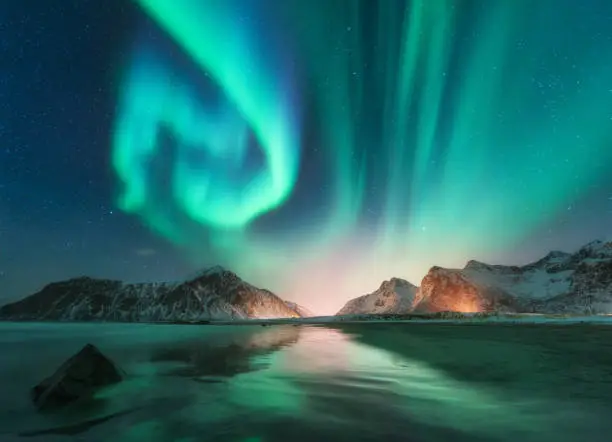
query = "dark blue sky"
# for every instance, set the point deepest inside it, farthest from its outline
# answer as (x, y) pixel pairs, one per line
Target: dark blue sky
(57, 101)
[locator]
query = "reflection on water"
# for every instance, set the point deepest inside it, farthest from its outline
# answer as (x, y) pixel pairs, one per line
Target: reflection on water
(287, 383)
(202, 360)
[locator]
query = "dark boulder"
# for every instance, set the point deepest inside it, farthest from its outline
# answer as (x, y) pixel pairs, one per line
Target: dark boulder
(77, 378)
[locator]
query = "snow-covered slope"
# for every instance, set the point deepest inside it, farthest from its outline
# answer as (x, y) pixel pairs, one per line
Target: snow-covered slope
(213, 294)
(576, 283)
(394, 296)
(560, 282)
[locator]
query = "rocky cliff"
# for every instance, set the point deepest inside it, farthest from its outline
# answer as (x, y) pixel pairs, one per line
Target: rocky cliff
(216, 293)
(456, 290)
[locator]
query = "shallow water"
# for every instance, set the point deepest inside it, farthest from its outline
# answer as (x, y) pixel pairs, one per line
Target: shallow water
(365, 382)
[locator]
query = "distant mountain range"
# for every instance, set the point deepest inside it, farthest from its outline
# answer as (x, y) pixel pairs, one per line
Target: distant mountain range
(575, 283)
(216, 293)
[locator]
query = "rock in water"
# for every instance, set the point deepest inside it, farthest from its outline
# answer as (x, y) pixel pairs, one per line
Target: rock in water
(78, 377)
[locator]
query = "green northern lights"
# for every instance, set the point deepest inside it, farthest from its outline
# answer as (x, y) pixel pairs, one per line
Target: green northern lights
(157, 97)
(439, 129)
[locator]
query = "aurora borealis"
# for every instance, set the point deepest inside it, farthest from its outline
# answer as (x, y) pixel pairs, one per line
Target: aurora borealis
(157, 98)
(318, 147)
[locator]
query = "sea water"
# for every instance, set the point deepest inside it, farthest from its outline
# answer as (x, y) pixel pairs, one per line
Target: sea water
(359, 382)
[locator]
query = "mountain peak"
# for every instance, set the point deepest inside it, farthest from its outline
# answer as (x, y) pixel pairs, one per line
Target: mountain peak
(396, 282)
(214, 270)
(472, 264)
(598, 244)
(392, 297)
(554, 254)
(593, 244)
(596, 249)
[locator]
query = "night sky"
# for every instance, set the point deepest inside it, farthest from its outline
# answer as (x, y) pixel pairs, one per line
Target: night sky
(315, 147)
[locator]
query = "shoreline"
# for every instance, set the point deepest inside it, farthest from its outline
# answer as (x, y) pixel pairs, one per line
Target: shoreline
(448, 318)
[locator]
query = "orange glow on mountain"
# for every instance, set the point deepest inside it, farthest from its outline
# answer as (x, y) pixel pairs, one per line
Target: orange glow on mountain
(466, 304)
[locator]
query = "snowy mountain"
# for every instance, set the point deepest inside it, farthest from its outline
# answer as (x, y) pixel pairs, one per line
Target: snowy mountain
(213, 294)
(576, 283)
(394, 296)
(558, 283)
(476, 288)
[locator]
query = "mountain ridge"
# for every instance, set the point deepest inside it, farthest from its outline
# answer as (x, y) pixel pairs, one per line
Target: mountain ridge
(214, 293)
(559, 282)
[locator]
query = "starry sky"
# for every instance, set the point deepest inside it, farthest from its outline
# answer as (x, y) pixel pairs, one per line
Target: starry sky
(314, 147)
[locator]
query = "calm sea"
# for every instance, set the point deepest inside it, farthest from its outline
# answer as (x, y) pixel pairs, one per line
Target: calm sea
(366, 382)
